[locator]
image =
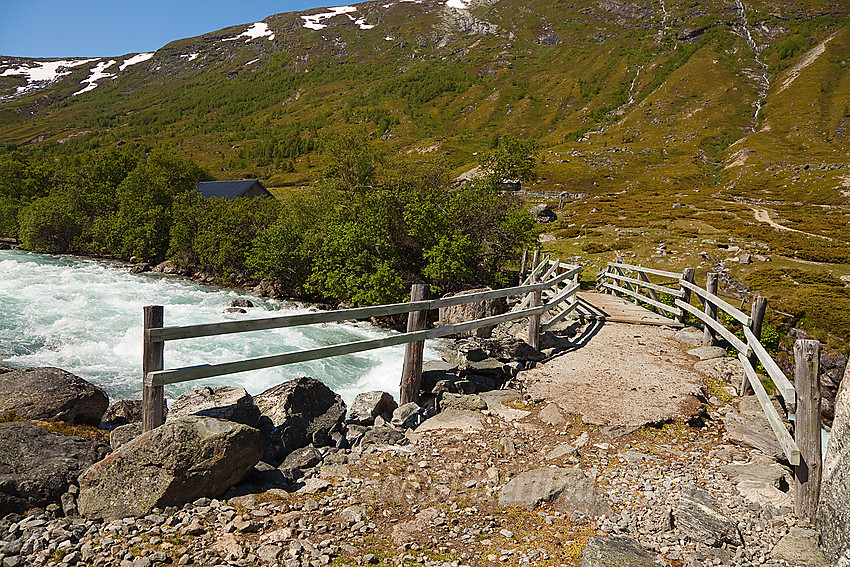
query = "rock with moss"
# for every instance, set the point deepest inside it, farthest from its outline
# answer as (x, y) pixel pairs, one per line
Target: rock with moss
(37, 466)
(183, 460)
(52, 393)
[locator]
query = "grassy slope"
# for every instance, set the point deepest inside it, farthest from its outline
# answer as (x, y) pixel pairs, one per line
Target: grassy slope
(636, 114)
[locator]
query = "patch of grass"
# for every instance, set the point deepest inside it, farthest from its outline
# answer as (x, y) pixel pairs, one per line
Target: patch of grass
(714, 387)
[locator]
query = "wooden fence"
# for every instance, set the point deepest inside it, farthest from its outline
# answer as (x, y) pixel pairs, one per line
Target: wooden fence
(544, 276)
(802, 403)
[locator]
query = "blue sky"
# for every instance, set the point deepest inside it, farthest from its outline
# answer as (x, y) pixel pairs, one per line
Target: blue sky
(100, 28)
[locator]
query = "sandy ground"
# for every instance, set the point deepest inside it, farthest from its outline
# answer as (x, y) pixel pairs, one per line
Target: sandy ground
(621, 374)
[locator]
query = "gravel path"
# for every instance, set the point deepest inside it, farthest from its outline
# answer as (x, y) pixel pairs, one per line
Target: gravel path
(620, 374)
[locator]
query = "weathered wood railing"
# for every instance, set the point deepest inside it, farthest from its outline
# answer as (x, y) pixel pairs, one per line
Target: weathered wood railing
(802, 403)
(156, 334)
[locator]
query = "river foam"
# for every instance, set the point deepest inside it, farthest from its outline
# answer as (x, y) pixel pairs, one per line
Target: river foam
(85, 316)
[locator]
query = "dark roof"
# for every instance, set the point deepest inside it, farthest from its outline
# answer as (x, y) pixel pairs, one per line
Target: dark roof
(226, 189)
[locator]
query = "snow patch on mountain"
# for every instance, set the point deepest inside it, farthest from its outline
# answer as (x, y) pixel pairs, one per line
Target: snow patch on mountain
(140, 58)
(256, 31)
(457, 4)
(40, 74)
(314, 21)
(98, 72)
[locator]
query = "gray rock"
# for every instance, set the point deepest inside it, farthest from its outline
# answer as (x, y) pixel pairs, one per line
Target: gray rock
(368, 405)
(727, 370)
(754, 432)
(833, 517)
(298, 413)
(700, 519)
(51, 393)
(542, 213)
(481, 383)
(123, 412)
(615, 552)
(407, 531)
(124, 434)
(470, 402)
(222, 402)
(407, 416)
(5, 369)
(800, 547)
(689, 335)
(386, 435)
(708, 352)
(471, 311)
(242, 302)
(569, 490)
(183, 460)
(303, 458)
(464, 420)
(551, 414)
(760, 469)
(37, 466)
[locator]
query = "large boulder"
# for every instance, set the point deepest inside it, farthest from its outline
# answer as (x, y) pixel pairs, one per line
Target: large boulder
(298, 413)
(223, 402)
(615, 551)
(367, 406)
(470, 311)
(183, 460)
(37, 466)
(51, 393)
(834, 506)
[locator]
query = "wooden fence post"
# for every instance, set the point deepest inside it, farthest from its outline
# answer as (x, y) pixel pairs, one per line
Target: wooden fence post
(536, 300)
(522, 266)
(757, 315)
(710, 309)
(688, 276)
(153, 397)
(807, 428)
(411, 372)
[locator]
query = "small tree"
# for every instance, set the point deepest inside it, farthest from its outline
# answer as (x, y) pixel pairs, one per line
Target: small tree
(512, 159)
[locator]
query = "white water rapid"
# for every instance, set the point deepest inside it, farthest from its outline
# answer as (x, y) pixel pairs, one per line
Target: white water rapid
(85, 316)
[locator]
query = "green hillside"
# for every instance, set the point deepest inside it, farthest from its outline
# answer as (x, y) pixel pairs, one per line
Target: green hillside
(684, 126)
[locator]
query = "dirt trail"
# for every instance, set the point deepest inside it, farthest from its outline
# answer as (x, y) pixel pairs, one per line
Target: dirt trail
(621, 374)
(762, 215)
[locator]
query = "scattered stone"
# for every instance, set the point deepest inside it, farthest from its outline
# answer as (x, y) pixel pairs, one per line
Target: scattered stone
(406, 531)
(51, 393)
(369, 405)
(178, 462)
(222, 402)
(407, 416)
(242, 302)
(464, 420)
(699, 518)
(551, 415)
(303, 458)
(542, 213)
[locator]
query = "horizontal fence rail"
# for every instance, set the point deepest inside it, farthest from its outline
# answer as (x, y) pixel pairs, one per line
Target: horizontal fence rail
(543, 279)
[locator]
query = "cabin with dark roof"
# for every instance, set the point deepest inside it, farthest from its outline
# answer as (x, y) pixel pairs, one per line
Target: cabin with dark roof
(246, 188)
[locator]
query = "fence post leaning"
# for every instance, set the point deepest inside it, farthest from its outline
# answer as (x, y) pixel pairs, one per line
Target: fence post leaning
(807, 429)
(153, 397)
(710, 309)
(688, 276)
(757, 315)
(522, 266)
(411, 372)
(534, 320)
